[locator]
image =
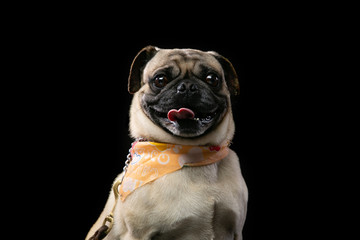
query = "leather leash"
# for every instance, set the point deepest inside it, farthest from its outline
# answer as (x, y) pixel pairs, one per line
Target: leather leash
(108, 222)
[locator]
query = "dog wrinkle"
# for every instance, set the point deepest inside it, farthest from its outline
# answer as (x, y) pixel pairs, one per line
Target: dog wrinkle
(185, 229)
(223, 222)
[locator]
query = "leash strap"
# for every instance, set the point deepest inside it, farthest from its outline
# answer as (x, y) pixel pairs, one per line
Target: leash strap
(100, 233)
(103, 231)
(109, 219)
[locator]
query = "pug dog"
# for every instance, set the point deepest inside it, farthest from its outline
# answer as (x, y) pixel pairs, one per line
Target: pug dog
(182, 96)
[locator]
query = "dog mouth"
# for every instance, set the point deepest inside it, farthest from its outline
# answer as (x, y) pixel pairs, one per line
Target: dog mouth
(186, 116)
(185, 122)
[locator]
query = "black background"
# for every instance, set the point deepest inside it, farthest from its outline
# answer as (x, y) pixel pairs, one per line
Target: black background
(79, 112)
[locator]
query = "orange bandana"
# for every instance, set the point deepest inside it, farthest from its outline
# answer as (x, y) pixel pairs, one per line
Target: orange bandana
(151, 160)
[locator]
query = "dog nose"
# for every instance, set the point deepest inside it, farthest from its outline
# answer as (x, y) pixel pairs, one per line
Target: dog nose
(187, 86)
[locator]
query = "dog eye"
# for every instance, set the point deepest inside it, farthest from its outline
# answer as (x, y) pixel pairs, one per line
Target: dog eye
(212, 79)
(160, 81)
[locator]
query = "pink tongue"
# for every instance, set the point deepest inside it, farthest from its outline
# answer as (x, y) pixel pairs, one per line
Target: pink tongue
(182, 113)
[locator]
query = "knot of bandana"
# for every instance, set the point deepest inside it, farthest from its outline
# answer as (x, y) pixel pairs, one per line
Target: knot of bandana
(151, 160)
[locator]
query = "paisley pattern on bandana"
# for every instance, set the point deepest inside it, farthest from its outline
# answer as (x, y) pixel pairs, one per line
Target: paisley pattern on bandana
(151, 160)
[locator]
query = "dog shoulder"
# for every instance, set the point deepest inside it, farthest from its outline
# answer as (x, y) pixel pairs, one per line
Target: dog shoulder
(231, 176)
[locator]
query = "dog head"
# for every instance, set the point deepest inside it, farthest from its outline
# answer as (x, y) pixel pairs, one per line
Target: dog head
(181, 94)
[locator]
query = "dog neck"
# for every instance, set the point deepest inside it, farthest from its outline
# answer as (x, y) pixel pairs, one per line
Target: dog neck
(151, 160)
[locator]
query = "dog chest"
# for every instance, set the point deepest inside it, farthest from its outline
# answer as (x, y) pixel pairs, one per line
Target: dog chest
(185, 203)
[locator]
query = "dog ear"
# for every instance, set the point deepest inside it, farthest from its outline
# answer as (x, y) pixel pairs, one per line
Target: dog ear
(137, 67)
(231, 77)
